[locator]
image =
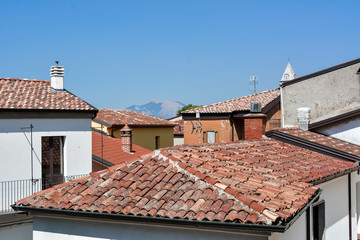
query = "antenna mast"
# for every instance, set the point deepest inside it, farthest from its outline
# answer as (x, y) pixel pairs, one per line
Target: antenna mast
(253, 81)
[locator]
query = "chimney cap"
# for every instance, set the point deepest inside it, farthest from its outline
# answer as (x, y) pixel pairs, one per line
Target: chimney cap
(126, 128)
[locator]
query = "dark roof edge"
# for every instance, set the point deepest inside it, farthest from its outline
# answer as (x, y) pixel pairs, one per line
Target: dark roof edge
(244, 227)
(102, 122)
(284, 137)
(336, 175)
(94, 111)
(102, 161)
(270, 105)
(296, 80)
(334, 119)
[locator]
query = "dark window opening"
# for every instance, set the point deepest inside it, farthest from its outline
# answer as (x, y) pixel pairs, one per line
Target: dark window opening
(318, 220)
(157, 142)
(52, 161)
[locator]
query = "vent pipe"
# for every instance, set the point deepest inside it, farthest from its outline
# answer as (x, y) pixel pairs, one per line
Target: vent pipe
(57, 74)
(303, 118)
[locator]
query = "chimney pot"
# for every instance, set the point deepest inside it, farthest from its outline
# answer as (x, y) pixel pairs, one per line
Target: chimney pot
(57, 74)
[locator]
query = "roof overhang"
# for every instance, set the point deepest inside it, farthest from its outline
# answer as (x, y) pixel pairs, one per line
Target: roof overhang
(313, 146)
(45, 113)
(228, 226)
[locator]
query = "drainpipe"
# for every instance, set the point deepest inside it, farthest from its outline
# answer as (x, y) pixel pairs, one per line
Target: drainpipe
(349, 198)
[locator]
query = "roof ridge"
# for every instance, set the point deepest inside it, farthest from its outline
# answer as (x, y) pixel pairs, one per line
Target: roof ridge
(223, 188)
(25, 79)
(230, 100)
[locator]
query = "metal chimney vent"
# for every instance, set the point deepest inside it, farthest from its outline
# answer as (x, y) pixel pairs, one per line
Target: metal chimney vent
(255, 107)
(303, 118)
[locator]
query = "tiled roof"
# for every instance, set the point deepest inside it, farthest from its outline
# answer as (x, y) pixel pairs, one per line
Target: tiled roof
(113, 117)
(238, 104)
(37, 94)
(112, 151)
(321, 139)
(264, 182)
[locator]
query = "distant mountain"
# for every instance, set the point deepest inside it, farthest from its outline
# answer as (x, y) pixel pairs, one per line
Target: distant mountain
(166, 109)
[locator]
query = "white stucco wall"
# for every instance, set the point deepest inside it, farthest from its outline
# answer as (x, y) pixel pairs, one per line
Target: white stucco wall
(15, 146)
(297, 231)
(335, 194)
(64, 229)
(347, 130)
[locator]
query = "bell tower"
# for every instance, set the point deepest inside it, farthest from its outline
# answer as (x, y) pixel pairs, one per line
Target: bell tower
(289, 73)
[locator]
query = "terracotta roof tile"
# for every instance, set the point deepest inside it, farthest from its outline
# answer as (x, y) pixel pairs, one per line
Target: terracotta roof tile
(238, 104)
(322, 139)
(158, 186)
(114, 117)
(37, 94)
(112, 149)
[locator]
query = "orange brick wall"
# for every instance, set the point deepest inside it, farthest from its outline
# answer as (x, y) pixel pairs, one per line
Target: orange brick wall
(254, 128)
(222, 126)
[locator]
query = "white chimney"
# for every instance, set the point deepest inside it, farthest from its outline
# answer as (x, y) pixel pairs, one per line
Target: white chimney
(57, 76)
(303, 118)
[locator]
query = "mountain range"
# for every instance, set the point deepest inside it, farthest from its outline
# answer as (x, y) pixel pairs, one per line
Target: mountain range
(157, 108)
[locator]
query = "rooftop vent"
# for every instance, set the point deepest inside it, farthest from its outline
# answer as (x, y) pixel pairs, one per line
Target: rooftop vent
(57, 76)
(303, 118)
(255, 107)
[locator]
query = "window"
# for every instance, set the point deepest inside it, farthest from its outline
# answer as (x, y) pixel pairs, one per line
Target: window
(318, 218)
(157, 142)
(52, 161)
(210, 136)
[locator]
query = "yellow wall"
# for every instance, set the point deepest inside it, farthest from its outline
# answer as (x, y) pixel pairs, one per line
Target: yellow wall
(145, 136)
(97, 126)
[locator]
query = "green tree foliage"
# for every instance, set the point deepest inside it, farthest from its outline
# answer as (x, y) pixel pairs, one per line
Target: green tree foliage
(186, 107)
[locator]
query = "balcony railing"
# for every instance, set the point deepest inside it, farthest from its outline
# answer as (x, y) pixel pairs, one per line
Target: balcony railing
(12, 191)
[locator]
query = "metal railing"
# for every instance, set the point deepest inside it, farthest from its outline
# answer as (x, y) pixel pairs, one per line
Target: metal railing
(12, 191)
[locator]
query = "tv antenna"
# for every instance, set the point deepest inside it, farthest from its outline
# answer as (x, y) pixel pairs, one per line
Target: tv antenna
(253, 82)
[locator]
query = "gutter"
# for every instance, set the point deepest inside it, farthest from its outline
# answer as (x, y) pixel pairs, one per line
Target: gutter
(312, 146)
(245, 227)
(102, 161)
(336, 175)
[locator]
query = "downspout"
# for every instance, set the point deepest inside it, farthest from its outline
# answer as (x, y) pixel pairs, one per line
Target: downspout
(308, 226)
(349, 198)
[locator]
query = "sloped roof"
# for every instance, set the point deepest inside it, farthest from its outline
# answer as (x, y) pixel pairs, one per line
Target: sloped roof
(114, 117)
(238, 104)
(37, 95)
(328, 143)
(264, 182)
(112, 151)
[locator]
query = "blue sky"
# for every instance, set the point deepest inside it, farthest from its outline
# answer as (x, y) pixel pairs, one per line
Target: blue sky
(120, 53)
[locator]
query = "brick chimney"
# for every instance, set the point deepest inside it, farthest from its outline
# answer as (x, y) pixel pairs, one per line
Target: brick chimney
(126, 139)
(57, 77)
(254, 123)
